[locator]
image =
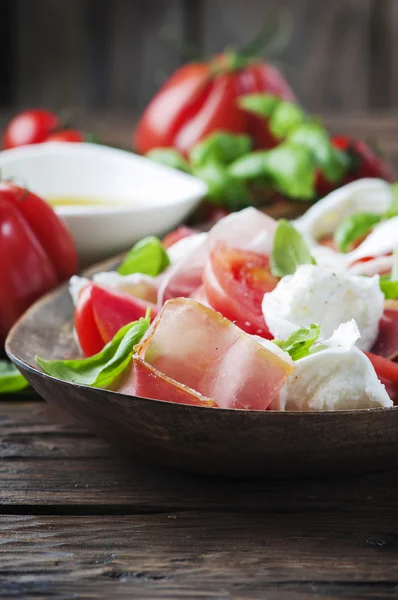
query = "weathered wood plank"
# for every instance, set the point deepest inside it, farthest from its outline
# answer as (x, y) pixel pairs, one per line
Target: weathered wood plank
(50, 53)
(200, 555)
(44, 463)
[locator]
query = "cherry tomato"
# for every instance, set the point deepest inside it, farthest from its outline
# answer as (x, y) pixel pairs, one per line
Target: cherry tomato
(66, 135)
(30, 127)
(235, 282)
(47, 226)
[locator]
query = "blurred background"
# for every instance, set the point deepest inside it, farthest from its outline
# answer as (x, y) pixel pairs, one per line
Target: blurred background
(114, 54)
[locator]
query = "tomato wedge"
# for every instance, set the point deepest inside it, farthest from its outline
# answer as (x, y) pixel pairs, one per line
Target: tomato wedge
(235, 282)
(101, 312)
(387, 372)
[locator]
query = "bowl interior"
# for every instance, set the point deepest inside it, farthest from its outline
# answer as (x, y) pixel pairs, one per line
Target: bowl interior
(235, 443)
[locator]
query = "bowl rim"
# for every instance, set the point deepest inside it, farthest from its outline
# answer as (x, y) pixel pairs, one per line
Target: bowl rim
(65, 149)
(36, 371)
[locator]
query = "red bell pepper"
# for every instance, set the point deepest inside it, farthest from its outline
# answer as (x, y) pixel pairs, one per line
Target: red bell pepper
(36, 252)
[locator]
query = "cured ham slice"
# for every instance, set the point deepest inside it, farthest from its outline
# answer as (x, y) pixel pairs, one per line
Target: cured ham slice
(151, 383)
(387, 340)
(198, 348)
(248, 229)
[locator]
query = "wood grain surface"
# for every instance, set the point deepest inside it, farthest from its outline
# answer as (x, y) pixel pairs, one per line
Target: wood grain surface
(79, 521)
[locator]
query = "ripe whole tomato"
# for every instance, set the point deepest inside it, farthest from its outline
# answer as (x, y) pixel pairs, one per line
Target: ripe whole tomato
(201, 98)
(37, 252)
(30, 127)
(66, 135)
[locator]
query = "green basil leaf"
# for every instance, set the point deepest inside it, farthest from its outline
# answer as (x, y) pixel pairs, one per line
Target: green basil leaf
(389, 289)
(291, 169)
(251, 166)
(147, 256)
(262, 105)
(354, 227)
(222, 187)
(220, 147)
(11, 380)
(393, 208)
(300, 343)
(314, 137)
(289, 250)
(170, 158)
(286, 118)
(101, 369)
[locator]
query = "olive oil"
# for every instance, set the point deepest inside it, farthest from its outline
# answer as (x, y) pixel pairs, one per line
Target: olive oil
(72, 201)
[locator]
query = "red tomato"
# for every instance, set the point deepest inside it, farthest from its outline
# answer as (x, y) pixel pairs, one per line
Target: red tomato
(178, 234)
(201, 98)
(54, 237)
(101, 312)
(66, 135)
(88, 334)
(260, 77)
(25, 272)
(30, 127)
(235, 282)
(36, 252)
(387, 372)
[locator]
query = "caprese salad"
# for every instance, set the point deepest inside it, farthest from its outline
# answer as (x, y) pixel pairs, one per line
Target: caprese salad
(254, 314)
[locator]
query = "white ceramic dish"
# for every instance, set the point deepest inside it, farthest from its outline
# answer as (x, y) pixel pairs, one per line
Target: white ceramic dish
(149, 199)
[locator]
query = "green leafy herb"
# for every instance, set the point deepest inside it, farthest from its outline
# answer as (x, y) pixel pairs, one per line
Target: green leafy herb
(170, 158)
(262, 105)
(11, 379)
(286, 118)
(220, 147)
(300, 343)
(101, 369)
(291, 169)
(223, 187)
(147, 256)
(389, 289)
(393, 208)
(354, 227)
(313, 136)
(289, 251)
(249, 167)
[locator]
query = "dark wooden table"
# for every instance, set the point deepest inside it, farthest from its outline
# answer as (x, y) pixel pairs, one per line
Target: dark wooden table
(78, 520)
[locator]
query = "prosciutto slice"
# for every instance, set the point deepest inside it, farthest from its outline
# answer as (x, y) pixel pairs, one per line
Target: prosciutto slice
(248, 229)
(387, 341)
(197, 347)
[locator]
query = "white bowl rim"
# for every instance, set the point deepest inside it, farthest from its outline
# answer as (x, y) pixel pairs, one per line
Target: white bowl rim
(68, 148)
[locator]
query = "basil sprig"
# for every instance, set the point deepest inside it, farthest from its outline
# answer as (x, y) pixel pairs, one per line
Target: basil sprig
(103, 368)
(360, 224)
(289, 251)
(300, 343)
(147, 257)
(11, 380)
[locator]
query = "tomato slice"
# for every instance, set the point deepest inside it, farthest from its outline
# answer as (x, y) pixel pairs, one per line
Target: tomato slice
(387, 372)
(87, 331)
(113, 310)
(235, 282)
(101, 312)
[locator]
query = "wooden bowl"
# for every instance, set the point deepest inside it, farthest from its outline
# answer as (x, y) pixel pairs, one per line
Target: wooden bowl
(230, 442)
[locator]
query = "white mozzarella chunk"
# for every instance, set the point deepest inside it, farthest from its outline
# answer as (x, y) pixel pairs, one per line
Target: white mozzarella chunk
(326, 297)
(338, 377)
(76, 284)
(363, 195)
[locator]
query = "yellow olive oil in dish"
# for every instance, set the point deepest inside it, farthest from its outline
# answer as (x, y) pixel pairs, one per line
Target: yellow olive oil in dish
(76, 201)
